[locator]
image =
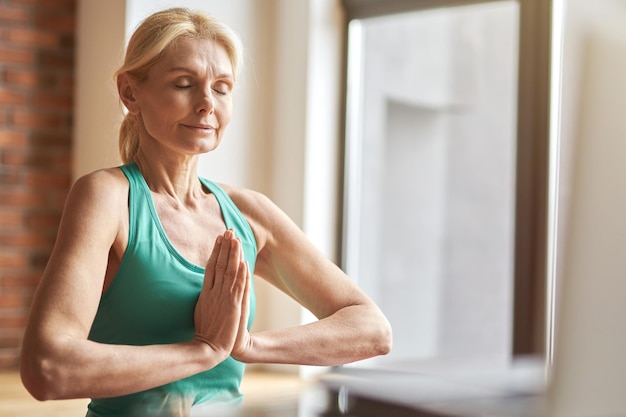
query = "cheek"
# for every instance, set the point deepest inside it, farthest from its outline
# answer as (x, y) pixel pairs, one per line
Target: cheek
(169, 105)
(159, 110)
(225, 114)
(159, 100)
(152, 118)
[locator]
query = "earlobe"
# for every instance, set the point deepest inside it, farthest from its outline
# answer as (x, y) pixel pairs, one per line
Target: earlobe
(126, 91)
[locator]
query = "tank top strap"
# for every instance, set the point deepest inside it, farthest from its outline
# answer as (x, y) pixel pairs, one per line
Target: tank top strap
(232, 215)
(135, 193)
(132, 172)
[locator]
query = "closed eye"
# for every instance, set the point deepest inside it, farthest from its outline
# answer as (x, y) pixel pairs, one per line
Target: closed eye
(222, 88)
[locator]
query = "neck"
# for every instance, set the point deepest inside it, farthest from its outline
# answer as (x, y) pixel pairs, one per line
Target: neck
(176, 177)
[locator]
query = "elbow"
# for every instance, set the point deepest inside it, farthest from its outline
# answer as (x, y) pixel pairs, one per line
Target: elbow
(379, 340)
(379, 336)
(37, 376)
(384, 339)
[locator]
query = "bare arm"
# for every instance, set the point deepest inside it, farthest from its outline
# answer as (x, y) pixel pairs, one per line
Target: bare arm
(58, 361)
(350, 326)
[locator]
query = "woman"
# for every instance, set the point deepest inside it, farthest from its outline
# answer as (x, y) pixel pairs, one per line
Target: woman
(146, 302)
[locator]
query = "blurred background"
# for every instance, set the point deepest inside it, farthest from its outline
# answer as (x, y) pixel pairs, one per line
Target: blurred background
(427, 150)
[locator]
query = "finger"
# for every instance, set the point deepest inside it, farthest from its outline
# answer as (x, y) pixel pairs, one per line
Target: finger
(232, 268)
(209, 272)
(222, 260)
(242, 341)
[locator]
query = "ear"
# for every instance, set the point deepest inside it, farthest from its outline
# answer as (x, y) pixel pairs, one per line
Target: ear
(126, 89)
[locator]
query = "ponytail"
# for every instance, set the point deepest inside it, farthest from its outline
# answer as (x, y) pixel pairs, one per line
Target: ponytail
(129, 138)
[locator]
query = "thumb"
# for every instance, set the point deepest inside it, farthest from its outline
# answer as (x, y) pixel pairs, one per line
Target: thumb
(209, 271)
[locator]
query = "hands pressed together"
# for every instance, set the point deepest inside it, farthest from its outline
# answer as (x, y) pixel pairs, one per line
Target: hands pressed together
(222, 310)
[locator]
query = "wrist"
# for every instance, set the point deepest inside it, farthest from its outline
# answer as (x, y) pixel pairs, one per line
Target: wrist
(244, 352)
(207, 354)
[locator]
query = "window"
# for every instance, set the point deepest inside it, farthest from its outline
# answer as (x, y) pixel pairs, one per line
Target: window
(446, 173)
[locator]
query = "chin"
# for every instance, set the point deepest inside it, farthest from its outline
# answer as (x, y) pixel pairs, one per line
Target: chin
(207, 146)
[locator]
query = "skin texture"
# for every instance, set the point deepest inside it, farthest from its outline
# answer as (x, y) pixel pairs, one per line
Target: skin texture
(184, 106)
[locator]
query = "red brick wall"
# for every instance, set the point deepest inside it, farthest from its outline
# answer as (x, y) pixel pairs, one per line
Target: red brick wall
(36, 83)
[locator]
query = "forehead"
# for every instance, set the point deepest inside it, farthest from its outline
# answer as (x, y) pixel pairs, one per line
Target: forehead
(199, 55)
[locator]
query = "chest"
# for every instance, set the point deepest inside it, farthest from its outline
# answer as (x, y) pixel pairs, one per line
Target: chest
(191, 230)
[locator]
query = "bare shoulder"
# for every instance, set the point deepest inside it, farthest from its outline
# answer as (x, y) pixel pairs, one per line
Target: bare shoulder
(266, 219)
(105, 182)
(99, 196)
(249, 201)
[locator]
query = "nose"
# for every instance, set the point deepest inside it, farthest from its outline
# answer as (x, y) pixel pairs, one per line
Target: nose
(206, 102)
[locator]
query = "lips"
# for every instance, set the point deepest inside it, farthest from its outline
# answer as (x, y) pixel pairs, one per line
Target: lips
(204, 126)
(200, 126)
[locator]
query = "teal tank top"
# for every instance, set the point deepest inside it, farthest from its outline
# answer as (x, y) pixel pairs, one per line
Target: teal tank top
(152, 300)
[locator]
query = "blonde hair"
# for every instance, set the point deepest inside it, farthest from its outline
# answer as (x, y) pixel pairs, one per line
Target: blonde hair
(148, 43)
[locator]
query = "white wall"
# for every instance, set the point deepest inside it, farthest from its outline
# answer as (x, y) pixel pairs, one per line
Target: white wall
(580, 18)
(97, 114)
(589, 373)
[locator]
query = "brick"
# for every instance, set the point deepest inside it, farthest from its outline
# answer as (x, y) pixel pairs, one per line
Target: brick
(11, 219)
(37, 43)
(63, 81)
(14, 15)
(18, 56)
(12, 138)
(22, 198)
(13, 158)
(59, 23)
(13, 321)
(52, 100)
(32, 38)
(67, 42)
(13, 259)
(48, 179)
(22, 279)
(50, 5)
(26, 78)
(10, 338)
(35, 119)
(48, 220)
(55, 59)
(63, 162)
(48, 139)
(10, 299)
(29, 157)
(10, 358)
(10, 177)
(25, 239)
(66, 82)
(25, 2)
(11, 97)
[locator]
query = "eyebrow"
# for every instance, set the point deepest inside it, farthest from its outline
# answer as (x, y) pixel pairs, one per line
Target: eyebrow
(194, 72)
